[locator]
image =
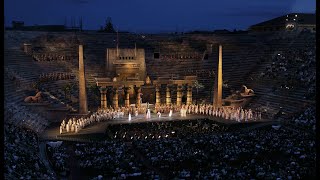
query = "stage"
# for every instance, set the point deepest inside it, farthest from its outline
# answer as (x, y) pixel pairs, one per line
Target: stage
(100, 127)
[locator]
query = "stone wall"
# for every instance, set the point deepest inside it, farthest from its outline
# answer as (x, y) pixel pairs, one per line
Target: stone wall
(128, 63)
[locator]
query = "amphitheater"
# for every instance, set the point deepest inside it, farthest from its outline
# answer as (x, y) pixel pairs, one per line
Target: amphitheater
(246, 56)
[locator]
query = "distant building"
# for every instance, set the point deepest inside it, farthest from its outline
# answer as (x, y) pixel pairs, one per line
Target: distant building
(17, 24)
(289, 22)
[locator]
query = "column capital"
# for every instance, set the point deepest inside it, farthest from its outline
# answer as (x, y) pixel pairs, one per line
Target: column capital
(103, 89)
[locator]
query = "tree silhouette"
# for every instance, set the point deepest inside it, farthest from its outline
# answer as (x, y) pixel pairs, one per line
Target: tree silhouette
(198, 86)
(109, 26)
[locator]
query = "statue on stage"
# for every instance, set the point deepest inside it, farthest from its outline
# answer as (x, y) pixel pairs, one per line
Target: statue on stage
(246, 91)
(34, 99)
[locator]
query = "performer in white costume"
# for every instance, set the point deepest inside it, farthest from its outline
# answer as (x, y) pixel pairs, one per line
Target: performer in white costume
(129, 117)
(148, 114)
(170, 113)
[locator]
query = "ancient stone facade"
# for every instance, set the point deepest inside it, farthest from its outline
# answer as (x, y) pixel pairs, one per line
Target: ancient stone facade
(126, 64)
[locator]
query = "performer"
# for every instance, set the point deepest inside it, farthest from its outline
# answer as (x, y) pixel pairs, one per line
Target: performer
(170, 113)
(148, 114)
(136, 113)
(159, 114)
(129, 117)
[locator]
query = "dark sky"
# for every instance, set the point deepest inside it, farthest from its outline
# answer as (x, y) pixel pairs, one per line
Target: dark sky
(154, 15)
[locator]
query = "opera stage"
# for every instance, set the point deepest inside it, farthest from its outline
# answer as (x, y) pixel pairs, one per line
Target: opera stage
(100, 128)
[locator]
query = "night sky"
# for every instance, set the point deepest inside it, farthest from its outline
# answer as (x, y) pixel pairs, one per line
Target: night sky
(154, 15)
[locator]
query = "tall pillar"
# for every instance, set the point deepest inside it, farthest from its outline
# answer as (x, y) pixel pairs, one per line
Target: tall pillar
(219, 92)
(115, 98)
(179, 95)
(127, 97)
(189, 95)
(103, 92)
(157, 95)
(168, 96)
(83, 106)
(215, 90)
(138, 101)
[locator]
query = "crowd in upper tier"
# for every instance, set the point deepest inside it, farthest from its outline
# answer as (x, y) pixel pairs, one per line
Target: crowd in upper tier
(51, 57)
(55, 76)
(297, 67)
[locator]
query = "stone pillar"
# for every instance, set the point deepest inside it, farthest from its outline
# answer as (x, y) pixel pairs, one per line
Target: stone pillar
(115, 98)
(179, 95)
(103, 92)
(215, 90)
(127, 97)
(189, 95)
(158, 101)
(138, 101)
(83, 106)
(168, 96)
(219, 92)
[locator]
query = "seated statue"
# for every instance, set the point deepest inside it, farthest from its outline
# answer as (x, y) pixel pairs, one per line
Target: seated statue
(247, 91)
(34, 99)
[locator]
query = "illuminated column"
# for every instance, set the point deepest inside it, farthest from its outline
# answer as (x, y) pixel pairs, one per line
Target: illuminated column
(179, 95)
(127, 100)
(168, 96)
(189, 95)
(157, 95)
(115, 98)
(83, 106)
(219, 92)
(103, 92)
(215, 90)
(138, 101)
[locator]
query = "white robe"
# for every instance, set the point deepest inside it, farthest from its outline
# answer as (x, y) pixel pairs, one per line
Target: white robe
(148, 114)
(129, 117)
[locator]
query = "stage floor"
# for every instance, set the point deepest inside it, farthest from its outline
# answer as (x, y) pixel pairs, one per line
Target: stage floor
(100, 128)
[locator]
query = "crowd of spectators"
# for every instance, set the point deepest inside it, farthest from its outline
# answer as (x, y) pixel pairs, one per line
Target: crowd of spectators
(111, 160)
(294, 67)
(306, 119)
(13, 76)
(51, 57)
(58, 157)
(55, 76)
(22, 116)
(264, 153)
(21, 154)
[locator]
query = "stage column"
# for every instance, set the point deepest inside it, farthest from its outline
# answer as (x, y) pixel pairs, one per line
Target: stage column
(103, 92)
(168, 96)
(127, 96)
(115, 97)
(157, 95)
(83, 106)
(219, 93)
(179, 95)
(189, 95)
(138, 100)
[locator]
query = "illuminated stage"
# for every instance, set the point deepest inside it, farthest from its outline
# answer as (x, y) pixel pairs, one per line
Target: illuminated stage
(100, 128)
